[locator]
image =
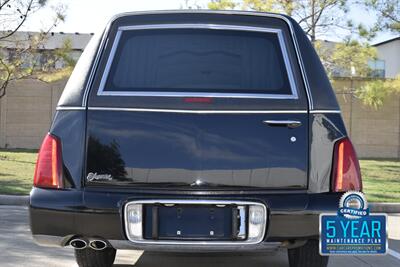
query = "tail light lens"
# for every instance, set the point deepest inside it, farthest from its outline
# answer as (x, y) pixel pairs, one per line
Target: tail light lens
(346, 174)
(48, 171)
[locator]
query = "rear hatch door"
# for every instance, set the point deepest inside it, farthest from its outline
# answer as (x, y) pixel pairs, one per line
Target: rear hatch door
(195, 106)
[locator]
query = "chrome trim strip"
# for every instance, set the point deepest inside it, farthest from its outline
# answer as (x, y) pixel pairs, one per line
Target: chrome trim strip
(195, 202)
(102, 45)
(198, 26)
(109, 62)
(103, 92)
(288, 67)
(70, 108)
(196, 111)
(301, 64)
(262, 14)
(288, 123)
(201, 111)
(282, 122)
(325, 111)
(242, 227)
(192, 94)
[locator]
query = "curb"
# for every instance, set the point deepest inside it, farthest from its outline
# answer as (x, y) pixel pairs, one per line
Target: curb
(385, 207)
(14, 200)
(24, 201)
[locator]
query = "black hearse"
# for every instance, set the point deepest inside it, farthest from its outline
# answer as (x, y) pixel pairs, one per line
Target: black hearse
(193, 131)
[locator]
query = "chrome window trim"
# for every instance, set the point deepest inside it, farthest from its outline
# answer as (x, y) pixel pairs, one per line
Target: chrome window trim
(324, 111)
(262, 14)
(199, 202)
(200, 111)
(102, 87)
(102, 45)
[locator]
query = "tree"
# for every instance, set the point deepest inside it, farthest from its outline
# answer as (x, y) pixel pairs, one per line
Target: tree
(316, 17)
(373, 93)
(221, 5)
(13, 14)
(22, 55)
(388, 13)
(349, 58)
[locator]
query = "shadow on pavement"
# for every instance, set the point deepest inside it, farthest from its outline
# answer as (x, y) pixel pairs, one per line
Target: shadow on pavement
(190, 260)
(17, 247)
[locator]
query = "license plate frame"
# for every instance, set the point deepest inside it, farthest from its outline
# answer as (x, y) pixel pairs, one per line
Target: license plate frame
(206, 222)
(133, 219)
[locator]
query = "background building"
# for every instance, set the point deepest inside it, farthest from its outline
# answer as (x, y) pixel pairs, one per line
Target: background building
(52, 41)
(388, 60)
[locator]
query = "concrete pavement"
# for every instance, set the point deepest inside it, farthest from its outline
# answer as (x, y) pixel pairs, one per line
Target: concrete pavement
(17, 249)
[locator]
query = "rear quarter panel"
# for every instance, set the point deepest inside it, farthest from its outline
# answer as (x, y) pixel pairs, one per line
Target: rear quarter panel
(325, 129)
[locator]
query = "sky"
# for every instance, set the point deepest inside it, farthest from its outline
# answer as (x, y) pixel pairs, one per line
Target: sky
(86, 16)
(90, 15)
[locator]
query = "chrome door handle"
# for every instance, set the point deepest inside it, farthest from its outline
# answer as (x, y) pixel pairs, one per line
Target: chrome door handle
(288, 123)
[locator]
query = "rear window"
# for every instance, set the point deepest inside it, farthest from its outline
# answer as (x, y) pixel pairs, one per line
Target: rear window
(198, 60)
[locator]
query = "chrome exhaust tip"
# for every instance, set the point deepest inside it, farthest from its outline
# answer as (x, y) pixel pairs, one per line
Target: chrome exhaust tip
(98, 244)
(78, 243)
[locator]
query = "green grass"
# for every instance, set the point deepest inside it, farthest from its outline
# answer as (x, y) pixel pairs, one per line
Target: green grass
(16, 170)
(381, 178)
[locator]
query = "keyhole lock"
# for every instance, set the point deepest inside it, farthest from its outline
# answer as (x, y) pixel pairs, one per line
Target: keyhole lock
(293, 139)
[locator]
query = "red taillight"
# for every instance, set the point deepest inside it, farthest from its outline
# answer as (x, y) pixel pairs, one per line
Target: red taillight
(48, 171)
(346, 174)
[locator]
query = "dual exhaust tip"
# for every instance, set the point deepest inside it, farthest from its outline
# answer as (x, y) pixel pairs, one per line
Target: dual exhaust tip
(96, 244)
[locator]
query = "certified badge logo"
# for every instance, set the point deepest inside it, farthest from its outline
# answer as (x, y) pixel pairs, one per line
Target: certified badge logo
(353, 205)
(353, 230)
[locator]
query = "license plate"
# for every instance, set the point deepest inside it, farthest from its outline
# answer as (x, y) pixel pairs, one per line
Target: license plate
(194, 222)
